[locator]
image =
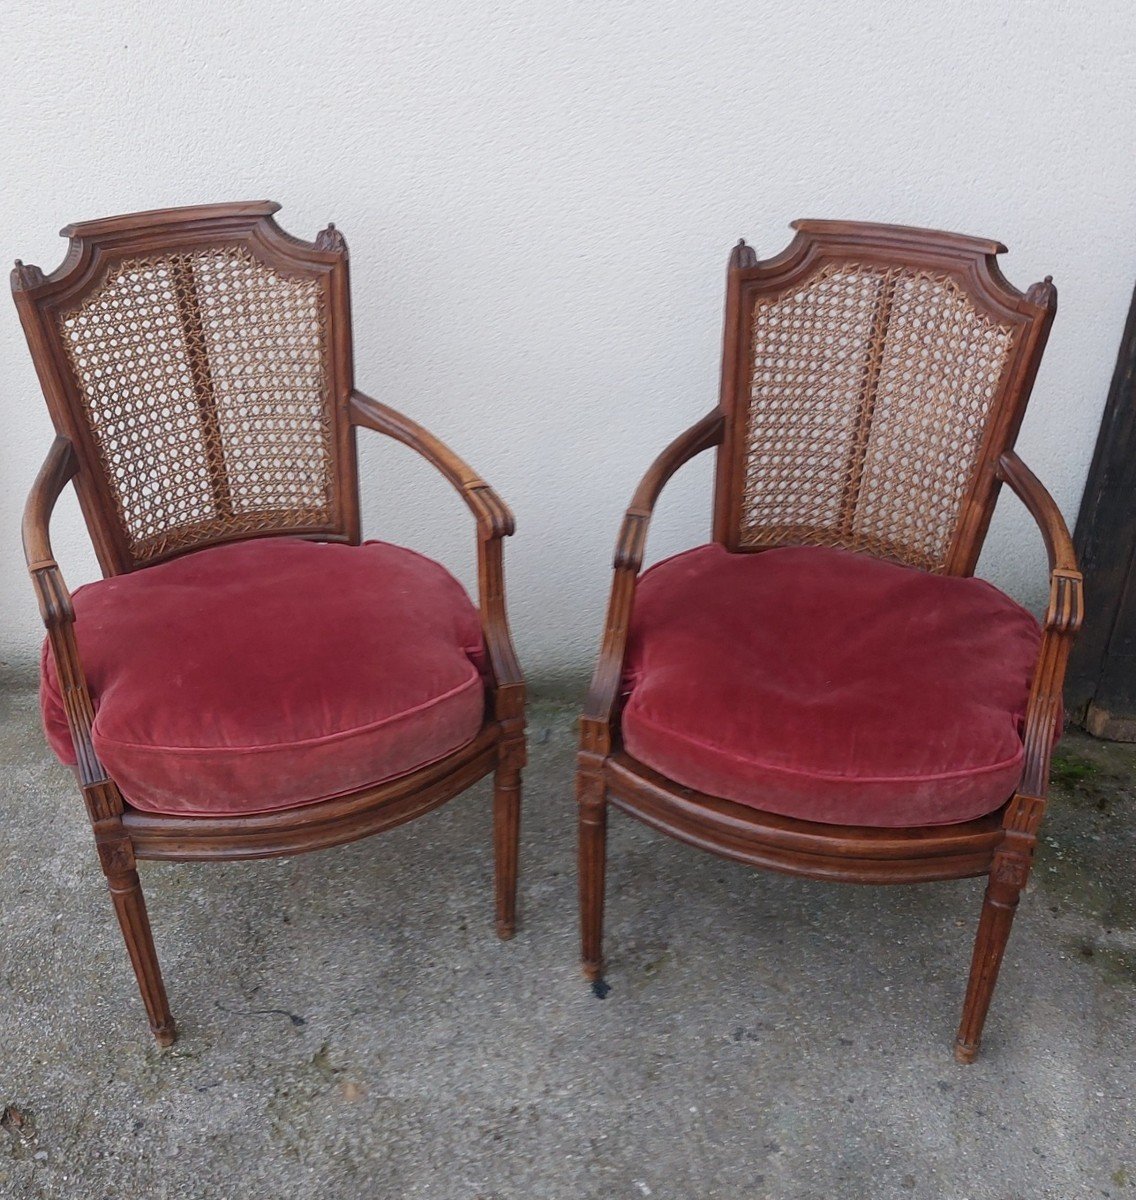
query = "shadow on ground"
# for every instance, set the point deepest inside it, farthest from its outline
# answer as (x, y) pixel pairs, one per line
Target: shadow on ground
(350, 1027)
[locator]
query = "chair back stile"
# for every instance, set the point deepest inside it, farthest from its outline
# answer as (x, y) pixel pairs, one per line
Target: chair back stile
(199, 361)
(872, 375)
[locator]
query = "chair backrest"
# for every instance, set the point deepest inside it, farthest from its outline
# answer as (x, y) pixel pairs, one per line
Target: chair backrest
(872, 375)
(199, 359)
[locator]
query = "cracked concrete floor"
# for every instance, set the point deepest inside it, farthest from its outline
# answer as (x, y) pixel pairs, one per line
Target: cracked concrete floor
(350, 1027)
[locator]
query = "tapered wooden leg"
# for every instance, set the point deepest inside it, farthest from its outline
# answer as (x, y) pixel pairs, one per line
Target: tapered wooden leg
(592, 867)
(129, 904)
(506, 843)
(1007, 877)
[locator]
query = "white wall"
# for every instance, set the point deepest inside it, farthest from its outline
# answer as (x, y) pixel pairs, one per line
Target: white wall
(540, 198)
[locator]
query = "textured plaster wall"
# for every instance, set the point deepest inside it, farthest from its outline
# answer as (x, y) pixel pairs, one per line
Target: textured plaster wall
(540, 198)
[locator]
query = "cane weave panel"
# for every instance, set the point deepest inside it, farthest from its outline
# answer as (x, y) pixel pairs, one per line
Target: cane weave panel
(204, 378)
(870, 395)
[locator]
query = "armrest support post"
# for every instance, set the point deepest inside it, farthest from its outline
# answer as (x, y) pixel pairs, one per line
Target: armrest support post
(1062, 620)
(102, 797)
(600, 705)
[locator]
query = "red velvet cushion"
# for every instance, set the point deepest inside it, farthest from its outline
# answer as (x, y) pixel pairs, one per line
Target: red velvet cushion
(274, 672)
(829, 686)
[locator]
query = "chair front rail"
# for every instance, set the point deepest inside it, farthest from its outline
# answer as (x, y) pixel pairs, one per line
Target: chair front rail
(630, 546)
(814, 850)
(319, 825)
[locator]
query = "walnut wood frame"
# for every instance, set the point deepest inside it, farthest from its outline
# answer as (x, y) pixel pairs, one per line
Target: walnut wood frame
(999, 846)
(124, 834)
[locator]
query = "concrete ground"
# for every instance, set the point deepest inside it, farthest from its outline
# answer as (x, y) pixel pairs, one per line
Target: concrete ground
(350, 1027)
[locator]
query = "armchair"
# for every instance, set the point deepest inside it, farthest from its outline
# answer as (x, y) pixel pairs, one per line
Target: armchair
(824, 690)
(248, 679)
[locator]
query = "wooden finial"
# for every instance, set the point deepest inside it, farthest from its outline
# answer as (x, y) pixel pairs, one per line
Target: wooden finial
(1043, 294)
(25, 276)
(331, 239)
(742, 256)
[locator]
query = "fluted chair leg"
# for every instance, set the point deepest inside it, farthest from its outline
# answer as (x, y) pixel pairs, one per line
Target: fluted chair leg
(593, 868)
(998, 908)
(130, 907)
(506, 843)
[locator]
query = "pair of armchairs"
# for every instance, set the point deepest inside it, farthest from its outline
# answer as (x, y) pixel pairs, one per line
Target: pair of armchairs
(824, 689)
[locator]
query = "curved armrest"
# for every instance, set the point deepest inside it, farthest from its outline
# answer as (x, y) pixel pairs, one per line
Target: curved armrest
(57, 471)
(1042, 507)
(494, 520)
(629, 549)
(632, 540)
(1062, 620)
(1066, 608)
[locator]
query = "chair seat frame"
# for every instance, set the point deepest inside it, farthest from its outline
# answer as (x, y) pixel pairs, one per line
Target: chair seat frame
(124, 834)
(999, 846)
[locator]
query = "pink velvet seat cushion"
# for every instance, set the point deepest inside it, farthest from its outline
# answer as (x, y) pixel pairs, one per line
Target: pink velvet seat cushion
(829, 686)
(269, 673)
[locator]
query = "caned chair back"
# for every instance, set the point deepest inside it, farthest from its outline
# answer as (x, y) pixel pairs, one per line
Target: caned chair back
(872, 375)
(200, 362)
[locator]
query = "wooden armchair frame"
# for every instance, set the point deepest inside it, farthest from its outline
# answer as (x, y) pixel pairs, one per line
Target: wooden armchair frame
(124, 834)
(999, 845)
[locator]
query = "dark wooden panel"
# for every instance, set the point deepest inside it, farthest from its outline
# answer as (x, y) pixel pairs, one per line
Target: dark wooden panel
(1101, 688)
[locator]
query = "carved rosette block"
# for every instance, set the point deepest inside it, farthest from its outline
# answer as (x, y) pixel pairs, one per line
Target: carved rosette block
(1011, 870)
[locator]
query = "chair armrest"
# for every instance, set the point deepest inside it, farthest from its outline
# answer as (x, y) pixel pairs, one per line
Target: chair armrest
(1062, 620)
(632, 540)
(57, 471)
(1066, 608)
(102, 797)
(494, 520)
(629, 549)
